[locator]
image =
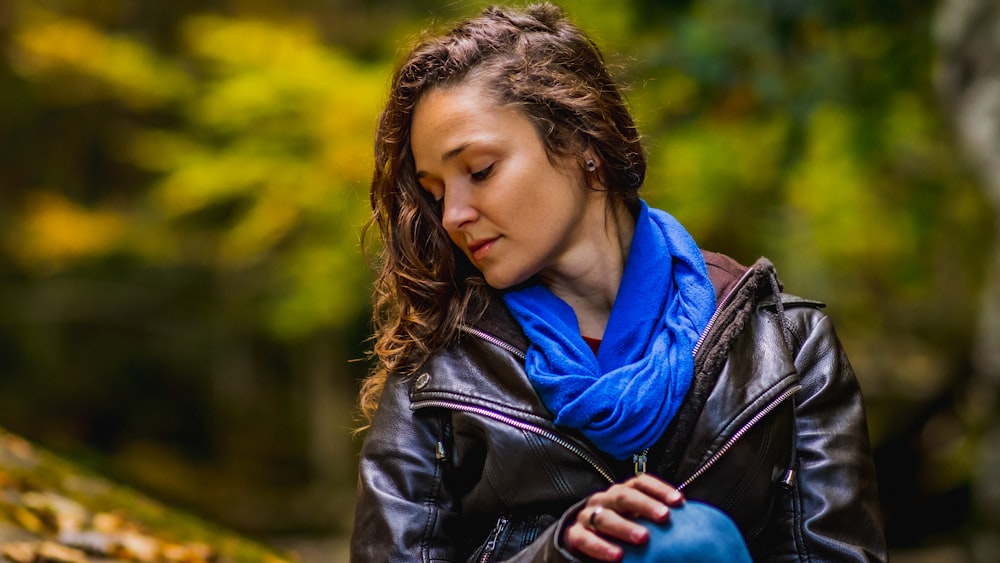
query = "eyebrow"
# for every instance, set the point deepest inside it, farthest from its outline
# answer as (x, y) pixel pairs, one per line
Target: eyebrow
(454, 152)
(448, 155)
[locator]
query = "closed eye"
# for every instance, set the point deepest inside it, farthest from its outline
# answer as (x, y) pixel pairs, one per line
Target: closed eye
(482, 174)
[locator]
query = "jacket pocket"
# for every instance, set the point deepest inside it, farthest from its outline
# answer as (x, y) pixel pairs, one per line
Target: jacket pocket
(495, 542)
(746, 480)
(511, 535)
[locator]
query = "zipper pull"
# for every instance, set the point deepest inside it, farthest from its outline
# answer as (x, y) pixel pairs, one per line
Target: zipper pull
(491, 545)
(640, 461)
(787, 480)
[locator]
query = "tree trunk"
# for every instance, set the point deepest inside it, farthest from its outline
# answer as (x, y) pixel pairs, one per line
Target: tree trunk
(968, 80)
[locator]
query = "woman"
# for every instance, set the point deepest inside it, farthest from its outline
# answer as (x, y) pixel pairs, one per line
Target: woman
(562, 374)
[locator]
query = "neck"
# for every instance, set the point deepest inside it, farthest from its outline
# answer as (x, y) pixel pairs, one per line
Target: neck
(592, 289)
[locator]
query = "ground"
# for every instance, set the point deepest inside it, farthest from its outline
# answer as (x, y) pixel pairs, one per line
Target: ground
(53, 511)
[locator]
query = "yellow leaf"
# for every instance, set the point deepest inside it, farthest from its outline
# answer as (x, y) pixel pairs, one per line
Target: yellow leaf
(56, 232)
(122, 67)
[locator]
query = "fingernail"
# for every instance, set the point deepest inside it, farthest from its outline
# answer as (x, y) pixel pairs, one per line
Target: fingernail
(675, 496)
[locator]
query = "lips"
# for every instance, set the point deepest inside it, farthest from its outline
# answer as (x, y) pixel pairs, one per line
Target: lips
(479, 248)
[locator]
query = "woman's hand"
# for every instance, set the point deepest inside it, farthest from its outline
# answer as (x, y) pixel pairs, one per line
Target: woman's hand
(611, 514)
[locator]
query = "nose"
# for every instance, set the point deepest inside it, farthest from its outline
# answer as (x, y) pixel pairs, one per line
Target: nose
(458, 209)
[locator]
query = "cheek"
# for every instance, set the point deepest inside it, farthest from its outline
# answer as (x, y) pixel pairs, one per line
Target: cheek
(455, 240)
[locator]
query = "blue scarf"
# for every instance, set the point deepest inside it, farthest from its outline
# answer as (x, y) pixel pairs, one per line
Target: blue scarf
(624, 398)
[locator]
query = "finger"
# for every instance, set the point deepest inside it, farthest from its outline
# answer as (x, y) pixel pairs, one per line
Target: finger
(633, 502)
(585, 541)
(609, 523)
(657, 488)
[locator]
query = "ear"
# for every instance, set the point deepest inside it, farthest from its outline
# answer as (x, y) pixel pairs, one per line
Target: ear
(590, 165)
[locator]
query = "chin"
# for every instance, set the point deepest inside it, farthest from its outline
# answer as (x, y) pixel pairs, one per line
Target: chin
(497, 284)
(500, 282)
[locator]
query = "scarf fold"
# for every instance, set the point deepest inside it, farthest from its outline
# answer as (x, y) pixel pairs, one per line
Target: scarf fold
(624, 398)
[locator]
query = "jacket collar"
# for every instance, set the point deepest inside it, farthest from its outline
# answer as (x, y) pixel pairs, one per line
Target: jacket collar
(477, 373)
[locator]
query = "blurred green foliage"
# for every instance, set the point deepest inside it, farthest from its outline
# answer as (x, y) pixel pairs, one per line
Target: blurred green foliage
(184, 185)
(252, 140)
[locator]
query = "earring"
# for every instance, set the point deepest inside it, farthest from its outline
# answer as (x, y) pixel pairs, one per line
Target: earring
(590, 165)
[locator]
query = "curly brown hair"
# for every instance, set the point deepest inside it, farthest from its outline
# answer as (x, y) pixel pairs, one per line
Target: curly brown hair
(533, 59)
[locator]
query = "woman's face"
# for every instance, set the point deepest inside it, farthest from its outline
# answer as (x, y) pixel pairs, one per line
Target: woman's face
(504, 204)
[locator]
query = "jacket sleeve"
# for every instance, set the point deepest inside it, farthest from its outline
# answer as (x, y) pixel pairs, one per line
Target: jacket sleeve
(832, 509)
(402, 512)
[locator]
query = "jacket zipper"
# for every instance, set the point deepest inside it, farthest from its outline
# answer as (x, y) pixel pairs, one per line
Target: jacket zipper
(722, 305)
(494, 341)
(520, 425)
(491, 545)
(639, 459)
(739, 434)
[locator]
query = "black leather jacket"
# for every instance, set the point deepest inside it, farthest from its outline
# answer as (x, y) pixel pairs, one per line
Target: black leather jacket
(463, 462)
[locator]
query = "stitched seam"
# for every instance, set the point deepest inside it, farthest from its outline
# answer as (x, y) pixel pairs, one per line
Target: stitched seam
(531, 531)
(748, 475)
(495, 482)
(551, 471)
(505, 536)
(798, 530)
(765, 445)
(430, 502)
(798, 336)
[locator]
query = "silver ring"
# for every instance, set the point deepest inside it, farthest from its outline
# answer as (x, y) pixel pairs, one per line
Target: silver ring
(593, 517)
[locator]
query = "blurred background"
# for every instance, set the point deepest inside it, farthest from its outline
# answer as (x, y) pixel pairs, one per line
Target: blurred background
(183, 302)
